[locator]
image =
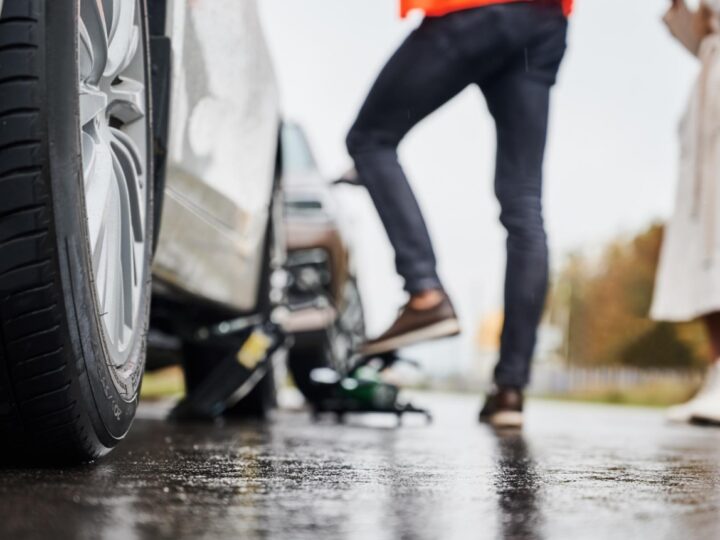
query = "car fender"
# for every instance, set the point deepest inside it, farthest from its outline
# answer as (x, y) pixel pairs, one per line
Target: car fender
(222, 148)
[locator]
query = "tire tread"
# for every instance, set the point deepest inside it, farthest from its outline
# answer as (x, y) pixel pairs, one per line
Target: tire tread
(39, 415)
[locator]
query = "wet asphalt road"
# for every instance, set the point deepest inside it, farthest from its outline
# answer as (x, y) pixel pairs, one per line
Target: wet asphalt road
(577, 472)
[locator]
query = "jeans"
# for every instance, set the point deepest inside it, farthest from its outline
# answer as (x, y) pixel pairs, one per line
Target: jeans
(513, 53)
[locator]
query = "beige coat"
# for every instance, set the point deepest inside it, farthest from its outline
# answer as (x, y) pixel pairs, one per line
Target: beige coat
(688, 279)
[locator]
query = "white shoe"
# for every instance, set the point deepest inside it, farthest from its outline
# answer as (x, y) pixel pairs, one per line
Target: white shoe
(707, 412)
(705, 404)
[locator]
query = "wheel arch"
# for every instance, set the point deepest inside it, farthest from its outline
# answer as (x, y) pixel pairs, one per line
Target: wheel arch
(161, 85)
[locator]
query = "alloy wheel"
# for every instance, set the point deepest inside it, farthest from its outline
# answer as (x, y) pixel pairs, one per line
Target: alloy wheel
(114, 137)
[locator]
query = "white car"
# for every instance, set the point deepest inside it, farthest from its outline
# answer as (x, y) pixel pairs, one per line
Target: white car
(95, 95)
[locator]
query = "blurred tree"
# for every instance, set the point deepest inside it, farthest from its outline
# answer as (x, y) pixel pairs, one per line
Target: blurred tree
(659, 347)
(603, 306)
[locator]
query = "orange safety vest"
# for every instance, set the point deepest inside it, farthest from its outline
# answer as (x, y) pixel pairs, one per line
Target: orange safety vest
(436, 8)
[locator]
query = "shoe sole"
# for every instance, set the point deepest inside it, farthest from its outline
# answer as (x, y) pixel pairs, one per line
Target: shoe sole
(671, 418)
(677, 420)
(504, 420)
(443, 329)
(705, 421)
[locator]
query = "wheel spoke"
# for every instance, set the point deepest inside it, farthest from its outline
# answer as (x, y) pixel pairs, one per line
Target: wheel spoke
(87, 55)
(89, 155)
(128, 160)
(92, 103)
(99, 179)
(94, 29)
(117, 306)
(99, 257)
(112, 256)
(124, 38)
(127, 253)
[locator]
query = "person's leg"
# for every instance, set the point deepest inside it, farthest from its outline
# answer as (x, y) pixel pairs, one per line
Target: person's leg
(420, 77)
(712, 325)
(520, 111)
(519, 101)
(705, 405)
(436, 62)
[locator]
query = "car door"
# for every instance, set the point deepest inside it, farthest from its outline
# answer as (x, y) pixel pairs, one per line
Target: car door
(224, 129)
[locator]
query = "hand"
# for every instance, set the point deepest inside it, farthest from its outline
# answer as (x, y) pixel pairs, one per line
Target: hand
(685, 25)
(703, 21)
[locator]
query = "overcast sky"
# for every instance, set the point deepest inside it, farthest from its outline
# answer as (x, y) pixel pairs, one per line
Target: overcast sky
(611, 159)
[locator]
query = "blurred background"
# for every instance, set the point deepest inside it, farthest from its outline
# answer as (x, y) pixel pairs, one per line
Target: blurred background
(610, 180)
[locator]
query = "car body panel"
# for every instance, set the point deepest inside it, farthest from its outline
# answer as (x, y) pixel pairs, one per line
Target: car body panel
(222, 152)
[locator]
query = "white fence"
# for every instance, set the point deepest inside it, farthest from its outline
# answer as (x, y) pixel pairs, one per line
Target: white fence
(550, 378)
(559, 380)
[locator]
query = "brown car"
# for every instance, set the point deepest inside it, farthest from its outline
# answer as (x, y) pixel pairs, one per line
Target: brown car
(326, 314)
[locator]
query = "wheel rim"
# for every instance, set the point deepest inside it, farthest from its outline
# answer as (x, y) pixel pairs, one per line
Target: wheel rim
(114, 156)
(348, 332)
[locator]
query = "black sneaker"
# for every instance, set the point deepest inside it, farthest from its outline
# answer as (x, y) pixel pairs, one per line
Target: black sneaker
(503, 408)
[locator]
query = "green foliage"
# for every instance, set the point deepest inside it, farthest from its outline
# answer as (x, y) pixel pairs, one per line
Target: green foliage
(605, 302)
(652, 394)
(659, 347)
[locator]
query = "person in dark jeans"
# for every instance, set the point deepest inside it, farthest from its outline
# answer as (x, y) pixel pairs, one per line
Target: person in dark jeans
(512, 51)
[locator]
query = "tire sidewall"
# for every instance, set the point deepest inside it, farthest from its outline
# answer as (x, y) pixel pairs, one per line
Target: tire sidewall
(111, 410)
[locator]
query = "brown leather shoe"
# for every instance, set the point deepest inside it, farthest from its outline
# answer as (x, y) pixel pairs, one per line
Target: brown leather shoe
(415, 326)
(503, 408)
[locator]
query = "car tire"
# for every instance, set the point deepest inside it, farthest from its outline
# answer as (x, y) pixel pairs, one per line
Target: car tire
(302, 361)
(68, 393)
(330, 349)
